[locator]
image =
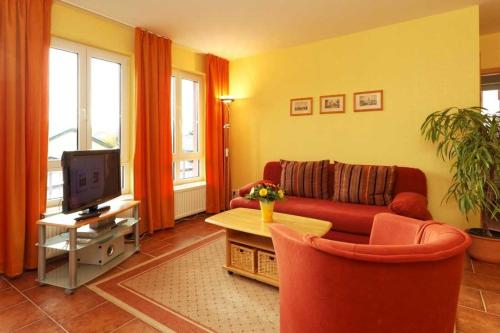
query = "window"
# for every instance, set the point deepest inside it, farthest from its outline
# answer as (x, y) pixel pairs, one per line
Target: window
(187, 147)
(490, 92)
(88, 107)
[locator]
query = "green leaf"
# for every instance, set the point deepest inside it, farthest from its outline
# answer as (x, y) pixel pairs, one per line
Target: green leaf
(469, 140)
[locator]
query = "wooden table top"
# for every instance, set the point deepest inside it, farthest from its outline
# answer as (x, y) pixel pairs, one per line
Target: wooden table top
(248, 220)
(68, 220)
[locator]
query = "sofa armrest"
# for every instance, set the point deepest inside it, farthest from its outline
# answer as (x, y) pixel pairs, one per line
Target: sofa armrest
(410, 204)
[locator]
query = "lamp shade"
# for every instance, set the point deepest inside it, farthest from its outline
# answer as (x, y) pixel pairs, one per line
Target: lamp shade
(227, 99)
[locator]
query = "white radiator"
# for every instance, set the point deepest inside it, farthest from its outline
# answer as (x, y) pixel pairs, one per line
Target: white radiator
(189, 200)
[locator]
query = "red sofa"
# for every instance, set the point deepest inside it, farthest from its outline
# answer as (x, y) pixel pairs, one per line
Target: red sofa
(406, 280)
(350, 222)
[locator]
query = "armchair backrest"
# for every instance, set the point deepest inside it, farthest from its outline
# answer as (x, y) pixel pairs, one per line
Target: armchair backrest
(407, 179)
(408, 285)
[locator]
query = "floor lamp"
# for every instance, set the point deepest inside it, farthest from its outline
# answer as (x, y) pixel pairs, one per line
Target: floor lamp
(227, 100)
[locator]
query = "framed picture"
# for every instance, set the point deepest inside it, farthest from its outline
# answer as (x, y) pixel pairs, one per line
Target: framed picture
(369, 101)
(332, 104)
(301, 106)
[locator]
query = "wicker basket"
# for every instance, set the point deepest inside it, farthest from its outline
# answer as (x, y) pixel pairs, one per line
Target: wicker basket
(243, 257)
(266, 265)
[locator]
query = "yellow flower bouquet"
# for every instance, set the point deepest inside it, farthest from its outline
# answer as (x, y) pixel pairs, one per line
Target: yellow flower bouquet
(266, 193)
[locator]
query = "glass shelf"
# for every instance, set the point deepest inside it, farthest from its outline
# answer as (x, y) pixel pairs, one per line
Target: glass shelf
(61, 241)
(86, 272)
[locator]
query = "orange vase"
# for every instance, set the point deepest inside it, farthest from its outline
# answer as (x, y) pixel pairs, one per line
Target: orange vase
(266, 210)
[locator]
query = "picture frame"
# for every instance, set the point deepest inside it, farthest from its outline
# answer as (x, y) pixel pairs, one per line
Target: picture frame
(301, 106)
(369, 101)
(332, 104)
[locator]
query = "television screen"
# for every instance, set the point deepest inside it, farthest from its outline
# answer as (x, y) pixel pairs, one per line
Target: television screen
(90, 178)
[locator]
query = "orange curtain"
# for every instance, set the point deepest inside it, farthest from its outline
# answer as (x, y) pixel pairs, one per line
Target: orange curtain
(153, 183)
(217, 167)
(24, 57)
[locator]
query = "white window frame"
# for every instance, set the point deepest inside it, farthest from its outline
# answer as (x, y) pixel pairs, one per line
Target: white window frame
(485, 87)
(85, 54)
(178, 154)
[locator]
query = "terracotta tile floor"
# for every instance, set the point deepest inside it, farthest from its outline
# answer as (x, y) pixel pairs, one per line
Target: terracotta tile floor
(479, 303)
(27, 307)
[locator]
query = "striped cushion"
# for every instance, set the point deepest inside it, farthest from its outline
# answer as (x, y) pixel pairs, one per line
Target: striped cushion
(305, 179)
(363, 184)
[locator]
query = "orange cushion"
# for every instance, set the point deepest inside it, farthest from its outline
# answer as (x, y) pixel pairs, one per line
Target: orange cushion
(412, 205)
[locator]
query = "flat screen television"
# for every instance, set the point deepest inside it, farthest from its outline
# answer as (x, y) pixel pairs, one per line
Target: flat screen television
(90, 177)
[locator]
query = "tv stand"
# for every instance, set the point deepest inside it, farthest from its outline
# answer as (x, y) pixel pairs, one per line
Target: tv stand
(73, 274)
(84, 216)
(94, 210)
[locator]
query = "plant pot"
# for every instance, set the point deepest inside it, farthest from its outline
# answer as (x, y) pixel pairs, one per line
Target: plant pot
(484, 248)
(266, 210)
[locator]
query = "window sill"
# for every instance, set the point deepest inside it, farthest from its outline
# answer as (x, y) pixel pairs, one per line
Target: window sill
(189, 186)
(54, 210)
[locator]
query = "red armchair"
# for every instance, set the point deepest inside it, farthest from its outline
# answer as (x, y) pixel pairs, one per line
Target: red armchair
(407, 279)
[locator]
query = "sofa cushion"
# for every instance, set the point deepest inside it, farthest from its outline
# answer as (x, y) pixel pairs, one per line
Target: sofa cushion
(365, 184)
(305, 179)
(407, 179)
(345, 217)
(272, 172)
(411, 204)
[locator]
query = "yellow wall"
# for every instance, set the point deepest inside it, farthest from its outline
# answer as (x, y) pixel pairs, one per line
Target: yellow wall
(422, 65)
(81, 26)
(490, 51)
(84, 27)
(74, 24)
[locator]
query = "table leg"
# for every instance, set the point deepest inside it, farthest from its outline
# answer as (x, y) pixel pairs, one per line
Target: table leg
(228, 248)
(136, 229)
(41, 253)
(72, 260)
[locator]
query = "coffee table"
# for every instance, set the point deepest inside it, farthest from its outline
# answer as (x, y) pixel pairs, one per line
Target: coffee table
(249, 247)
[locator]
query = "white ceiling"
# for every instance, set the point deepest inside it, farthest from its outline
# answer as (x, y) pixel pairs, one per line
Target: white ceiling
(236, 28)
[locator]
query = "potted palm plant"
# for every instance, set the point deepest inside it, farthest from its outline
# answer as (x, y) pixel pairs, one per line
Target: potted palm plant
(469, 138)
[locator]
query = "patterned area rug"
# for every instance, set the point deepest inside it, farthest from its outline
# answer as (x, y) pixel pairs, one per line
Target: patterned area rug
(188, 291)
